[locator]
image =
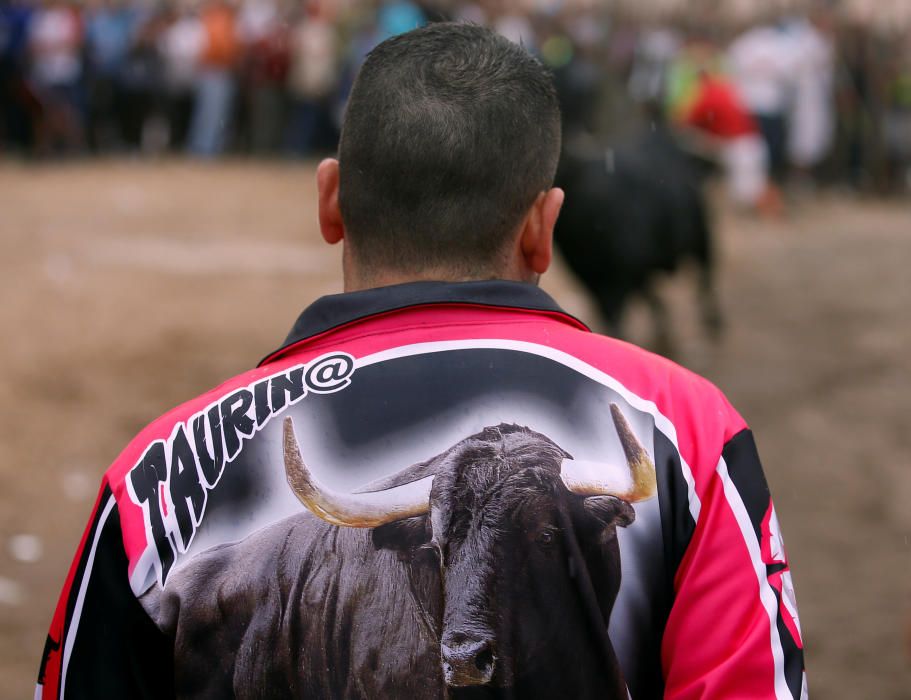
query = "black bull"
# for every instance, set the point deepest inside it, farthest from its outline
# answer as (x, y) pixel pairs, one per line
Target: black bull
(632, 214)
(489, 570)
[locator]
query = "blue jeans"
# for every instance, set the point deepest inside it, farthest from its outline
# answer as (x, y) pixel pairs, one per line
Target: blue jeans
(212, 111)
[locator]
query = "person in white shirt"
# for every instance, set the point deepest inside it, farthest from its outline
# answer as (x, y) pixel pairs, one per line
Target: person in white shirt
(812, 111)
(762, 62)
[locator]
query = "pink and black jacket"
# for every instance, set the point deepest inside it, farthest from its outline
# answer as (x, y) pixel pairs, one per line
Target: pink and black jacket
(435, 490)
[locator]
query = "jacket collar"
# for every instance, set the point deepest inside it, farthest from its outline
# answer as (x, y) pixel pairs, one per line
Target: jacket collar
(333, 311)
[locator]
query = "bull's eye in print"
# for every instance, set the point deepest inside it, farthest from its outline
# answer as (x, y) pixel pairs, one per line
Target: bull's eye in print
(546, 538)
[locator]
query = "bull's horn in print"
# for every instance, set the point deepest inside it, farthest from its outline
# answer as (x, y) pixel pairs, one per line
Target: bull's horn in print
(361, 510)
(641, 467)
(635, 481)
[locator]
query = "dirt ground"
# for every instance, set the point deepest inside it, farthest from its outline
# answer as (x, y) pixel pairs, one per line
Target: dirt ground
(129, 287)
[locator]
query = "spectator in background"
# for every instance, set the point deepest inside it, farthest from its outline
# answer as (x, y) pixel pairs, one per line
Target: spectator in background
(215, 85)
(717, 112)
(265, 68)
(312, 78)
(812, 112)
(762, 64)
(55, 43)
(142, 110)
(858, 105)
(19, 108)
(897, 118)
(109, 28)
(180, 44)
(683, 78)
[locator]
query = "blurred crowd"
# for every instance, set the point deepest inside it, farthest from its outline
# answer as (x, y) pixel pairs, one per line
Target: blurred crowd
(807, 96)
(795, 100)
(206, 77)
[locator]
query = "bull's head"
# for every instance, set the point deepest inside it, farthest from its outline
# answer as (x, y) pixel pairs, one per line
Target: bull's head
(500, 510)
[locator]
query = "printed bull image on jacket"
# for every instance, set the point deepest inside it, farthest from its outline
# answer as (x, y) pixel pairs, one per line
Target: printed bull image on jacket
(480, 572)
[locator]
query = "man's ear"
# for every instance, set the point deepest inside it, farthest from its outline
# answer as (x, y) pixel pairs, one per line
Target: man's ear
(536, 240)
(330, 216)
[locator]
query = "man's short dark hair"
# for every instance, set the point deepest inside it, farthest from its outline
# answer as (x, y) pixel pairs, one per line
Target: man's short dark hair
(450, 133)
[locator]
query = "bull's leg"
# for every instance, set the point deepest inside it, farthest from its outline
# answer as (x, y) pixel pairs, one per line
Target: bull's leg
(610, 304)
(663, 341)
(709, 306)
(704, 254)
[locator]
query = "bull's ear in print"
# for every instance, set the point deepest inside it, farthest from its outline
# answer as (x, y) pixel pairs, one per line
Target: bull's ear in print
(403, 535)
(609, 510)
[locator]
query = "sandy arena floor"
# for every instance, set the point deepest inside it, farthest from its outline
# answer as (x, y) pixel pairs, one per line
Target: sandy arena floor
(128, 288)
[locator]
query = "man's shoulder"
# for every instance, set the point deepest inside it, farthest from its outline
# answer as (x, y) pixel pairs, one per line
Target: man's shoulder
(651, 376)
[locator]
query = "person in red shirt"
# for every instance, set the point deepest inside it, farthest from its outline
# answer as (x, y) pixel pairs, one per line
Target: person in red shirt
(718, 112)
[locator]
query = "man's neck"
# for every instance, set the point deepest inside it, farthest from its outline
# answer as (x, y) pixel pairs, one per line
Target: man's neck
(357, 283)
(357, 277)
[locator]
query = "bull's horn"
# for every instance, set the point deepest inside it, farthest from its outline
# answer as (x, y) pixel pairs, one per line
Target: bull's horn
(632, 483)
(361, 510)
